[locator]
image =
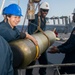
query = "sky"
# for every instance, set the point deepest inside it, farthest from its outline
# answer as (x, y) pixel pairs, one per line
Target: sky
(57, 7)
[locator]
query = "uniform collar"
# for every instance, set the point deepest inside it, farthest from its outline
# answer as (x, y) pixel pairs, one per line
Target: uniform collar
(9, 25)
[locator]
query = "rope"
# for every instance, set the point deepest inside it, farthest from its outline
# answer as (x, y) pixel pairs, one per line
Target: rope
(45, 35)
(51, 65)
(29, 21)
(38, 28)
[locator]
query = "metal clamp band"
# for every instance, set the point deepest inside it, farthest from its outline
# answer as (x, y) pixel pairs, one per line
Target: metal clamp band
(37, 52)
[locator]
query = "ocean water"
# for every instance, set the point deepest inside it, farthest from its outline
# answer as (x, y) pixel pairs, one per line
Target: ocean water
(20, 27)
(59, 28)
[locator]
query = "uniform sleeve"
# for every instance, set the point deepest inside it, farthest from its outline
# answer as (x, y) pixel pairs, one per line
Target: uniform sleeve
(6, 58)
(69, 45)
(8, 35)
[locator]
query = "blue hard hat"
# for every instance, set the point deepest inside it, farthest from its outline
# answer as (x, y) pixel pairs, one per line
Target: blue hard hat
(4, 11)
(13, 9)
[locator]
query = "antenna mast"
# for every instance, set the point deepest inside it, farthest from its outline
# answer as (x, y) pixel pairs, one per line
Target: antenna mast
(18, 2)
(2, 6)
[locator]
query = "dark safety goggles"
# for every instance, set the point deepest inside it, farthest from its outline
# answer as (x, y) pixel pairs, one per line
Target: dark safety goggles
(45, 10)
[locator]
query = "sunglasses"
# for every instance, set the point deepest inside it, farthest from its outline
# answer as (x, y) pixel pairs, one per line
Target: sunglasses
(44, 10)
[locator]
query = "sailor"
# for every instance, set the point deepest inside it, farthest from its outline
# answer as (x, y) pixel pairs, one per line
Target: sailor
(8, 29)
(33, 28)
(68, 48)
(6, 58)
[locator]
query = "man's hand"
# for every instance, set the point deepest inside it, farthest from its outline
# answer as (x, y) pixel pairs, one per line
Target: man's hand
(53, 50)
